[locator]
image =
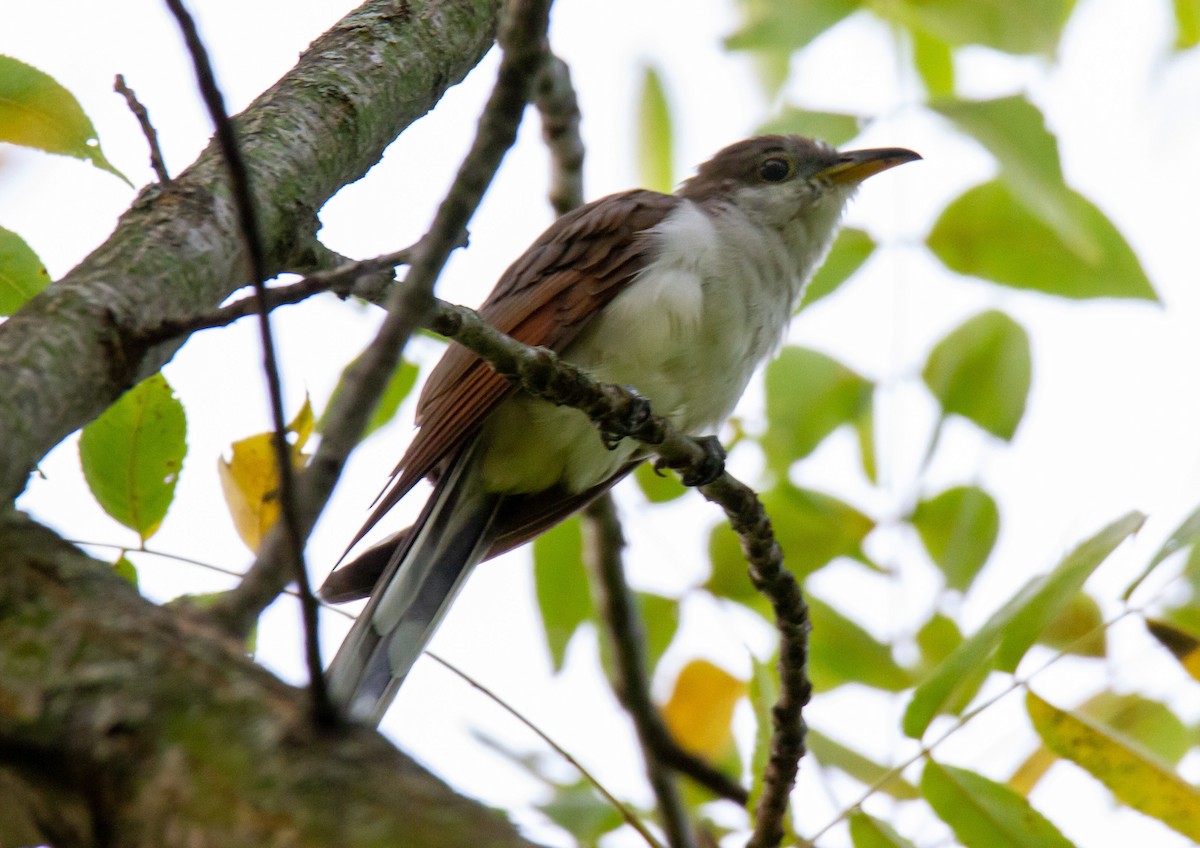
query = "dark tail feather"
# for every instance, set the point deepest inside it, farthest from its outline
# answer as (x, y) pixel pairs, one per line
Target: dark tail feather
(425, 572)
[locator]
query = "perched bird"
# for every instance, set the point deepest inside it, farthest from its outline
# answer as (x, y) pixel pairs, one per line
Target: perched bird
(679, 296)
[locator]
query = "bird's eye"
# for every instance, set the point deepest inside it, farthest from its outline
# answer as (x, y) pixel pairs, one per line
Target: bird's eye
(775, 170)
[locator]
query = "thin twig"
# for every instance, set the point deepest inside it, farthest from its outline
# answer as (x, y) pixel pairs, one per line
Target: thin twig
(143, 118)
(239, 183)
(603, 542)
(522, 36)
(627, 814)
(559, 109)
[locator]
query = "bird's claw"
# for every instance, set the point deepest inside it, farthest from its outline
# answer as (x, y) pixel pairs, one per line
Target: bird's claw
(625, 419)
(708, 469)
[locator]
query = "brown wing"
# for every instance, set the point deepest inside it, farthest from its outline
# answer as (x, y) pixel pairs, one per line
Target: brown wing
(584, 260)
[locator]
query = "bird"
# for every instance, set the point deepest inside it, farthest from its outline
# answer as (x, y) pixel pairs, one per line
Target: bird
(678, 296)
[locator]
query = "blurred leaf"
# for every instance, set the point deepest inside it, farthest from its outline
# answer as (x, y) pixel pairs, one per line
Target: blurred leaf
(1187, 24)
(399, 385)
(1019, 26)
(937, 639)
(1185, 536)
(561, 583)
(987, 232)
(125, 568)
(958, 528)
(862, 768)
(1005, 637)
(655, 155)
(35, 111)
(850, 250)
(868, 832)
(809, 395)
(133, 453)
(1184, 646)
(580, 811)
(1078, 629)
(835, 128)
(250, 478)
(1135, 777)
(935, 63)
(1149, 723)
(22, 274)
(1014, 131)
(699, 712)
(981, 370)
(774, 27)
(986, 814)
(841, 651)
(661, 618)
(864, 428)
(658, 488)
(811, 527)
(1052, 593)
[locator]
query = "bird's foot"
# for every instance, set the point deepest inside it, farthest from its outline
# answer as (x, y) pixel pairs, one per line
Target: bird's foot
(709, 468)
(626, 417)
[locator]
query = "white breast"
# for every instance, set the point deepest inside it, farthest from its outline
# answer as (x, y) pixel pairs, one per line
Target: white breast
(687, 334)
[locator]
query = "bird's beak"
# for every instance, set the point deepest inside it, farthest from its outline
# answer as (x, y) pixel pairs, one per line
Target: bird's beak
(854, 166)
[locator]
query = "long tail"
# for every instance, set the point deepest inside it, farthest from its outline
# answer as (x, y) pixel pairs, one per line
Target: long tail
(426, 571)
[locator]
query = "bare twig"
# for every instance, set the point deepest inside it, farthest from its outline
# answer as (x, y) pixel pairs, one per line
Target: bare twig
(559, 109)
(143, 119)
(239, 181)
(627, 814)
(603, 542)
(522, 36)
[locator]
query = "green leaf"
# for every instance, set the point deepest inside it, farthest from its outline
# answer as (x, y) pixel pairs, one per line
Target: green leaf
(660, 616)
(935, 63)
(655, 155)
(1077, 629)
(1187, 24)
(1135, 777)
(561, 583)
(937, 639)
(809, 395)
(657, 487)
(399, 386)
(958, 528)
(35, 111)
(1184, 537)
(1005, 637)
(987, 232)
(812, 528)
(132, 455)
(1013, 26)
(984, 813)
(774, 27)
(22, 274)
(580, 811)
(835, 128)
(862, 768)
(840, 651)
(982, 371)
(850, 250)
(125, 568)
(1014, 131)
(868, 832)
(864, 428)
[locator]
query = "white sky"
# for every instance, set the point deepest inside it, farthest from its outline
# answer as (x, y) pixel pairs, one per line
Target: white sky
(1111, 423)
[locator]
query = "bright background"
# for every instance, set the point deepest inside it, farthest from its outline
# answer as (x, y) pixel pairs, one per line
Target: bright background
(1112, 417)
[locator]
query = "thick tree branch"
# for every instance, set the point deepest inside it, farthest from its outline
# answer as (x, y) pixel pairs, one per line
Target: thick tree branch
(135, 725)
(72, 350)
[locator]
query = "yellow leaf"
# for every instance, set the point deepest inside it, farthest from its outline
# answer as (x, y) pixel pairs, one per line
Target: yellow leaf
(700, 710)
(1135, 777)
(1184, 646)
(250, 479)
